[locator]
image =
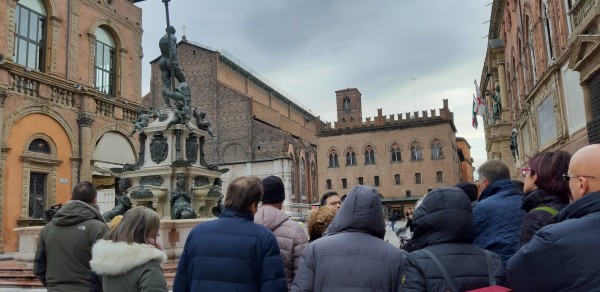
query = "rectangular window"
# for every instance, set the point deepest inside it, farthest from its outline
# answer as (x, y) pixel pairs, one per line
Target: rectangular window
(439, 175)
(344, 183)
(37, 195)
(408, 193)
(397, 179)
(546, 121)
(418, 179)
(105, 64)
(574, 102)
(29, 38)
(360, 181)
(376, 181)
(328, 184)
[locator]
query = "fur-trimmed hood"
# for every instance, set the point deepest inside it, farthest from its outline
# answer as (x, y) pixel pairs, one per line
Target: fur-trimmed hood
(117, 258)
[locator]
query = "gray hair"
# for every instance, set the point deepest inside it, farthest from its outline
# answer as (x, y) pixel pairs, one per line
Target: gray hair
(494, 170)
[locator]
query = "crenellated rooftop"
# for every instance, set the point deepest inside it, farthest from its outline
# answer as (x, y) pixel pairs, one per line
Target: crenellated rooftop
(393, 121)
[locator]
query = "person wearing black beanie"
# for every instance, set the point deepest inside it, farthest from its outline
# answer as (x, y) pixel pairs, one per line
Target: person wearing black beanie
(291, 237)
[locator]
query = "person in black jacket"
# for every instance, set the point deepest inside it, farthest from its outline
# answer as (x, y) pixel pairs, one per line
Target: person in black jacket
(443, 225)
(564, 256)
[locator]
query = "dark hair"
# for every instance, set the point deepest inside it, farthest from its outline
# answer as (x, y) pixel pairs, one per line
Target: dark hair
(243, 192)
(549, 167)
(494, 170)
(84, 191)
(136, 226)
(343, 198)
(327, 195)
(469, 188)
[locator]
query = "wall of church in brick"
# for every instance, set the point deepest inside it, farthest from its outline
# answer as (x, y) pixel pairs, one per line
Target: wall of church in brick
(267, 141)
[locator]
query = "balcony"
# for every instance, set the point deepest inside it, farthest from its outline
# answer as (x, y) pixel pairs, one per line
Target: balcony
(580, 11)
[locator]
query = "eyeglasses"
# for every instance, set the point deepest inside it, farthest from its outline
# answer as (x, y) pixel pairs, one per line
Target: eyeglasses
(568, 177)
(525, 171)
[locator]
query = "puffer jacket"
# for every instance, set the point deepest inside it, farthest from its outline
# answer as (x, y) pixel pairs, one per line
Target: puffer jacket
(62, 259)
(129, 267)
(498, 217)
(562, 256)
(291, 237)
(353, 256)
(536, 219)
(444, 225)
(231, 253)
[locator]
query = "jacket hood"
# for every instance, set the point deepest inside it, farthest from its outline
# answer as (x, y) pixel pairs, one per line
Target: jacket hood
(445, 215)
(270, 217)
(76, 211)
(586, 205)
(360, 212)
(539, 197)
(117, 258)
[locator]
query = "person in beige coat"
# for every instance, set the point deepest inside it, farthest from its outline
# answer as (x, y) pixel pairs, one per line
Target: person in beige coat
(291, 237)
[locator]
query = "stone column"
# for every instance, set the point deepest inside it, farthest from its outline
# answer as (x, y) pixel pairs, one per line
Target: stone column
(503, 90)
(85, 121)
(3, 96)
(587, 102)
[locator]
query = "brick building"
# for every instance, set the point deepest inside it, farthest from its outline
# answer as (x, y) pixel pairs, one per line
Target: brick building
(466, 161)
(69, 90)
(403, 156)
(258, 130)
(542, 66)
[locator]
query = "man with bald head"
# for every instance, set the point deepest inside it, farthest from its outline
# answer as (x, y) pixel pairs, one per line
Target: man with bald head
(564, 256)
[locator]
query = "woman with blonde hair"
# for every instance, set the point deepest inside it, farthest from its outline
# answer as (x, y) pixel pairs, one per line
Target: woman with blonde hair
(129, 258)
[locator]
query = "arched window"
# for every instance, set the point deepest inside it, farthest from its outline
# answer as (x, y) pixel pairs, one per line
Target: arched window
(531, 52)
(418, 179)
(344, 183)
(397, 179)
(105, 61)
(369, 155)
(30, 34)
(234, 153)
(416, 151)
(302, 179)
(328, 184)
(351, 157)
(439, 176)
(333, 158)
(346, 104)
(396, 152)
(39, 145)
(436, 149)
(547, 30)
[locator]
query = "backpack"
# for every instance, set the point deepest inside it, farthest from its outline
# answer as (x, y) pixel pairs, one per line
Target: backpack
(492, 279)
(49, 214)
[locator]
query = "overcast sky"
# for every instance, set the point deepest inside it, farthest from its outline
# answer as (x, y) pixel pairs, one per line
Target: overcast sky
(311, 48)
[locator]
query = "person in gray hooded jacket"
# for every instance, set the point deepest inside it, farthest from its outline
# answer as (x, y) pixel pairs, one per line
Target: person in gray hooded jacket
(353, 256)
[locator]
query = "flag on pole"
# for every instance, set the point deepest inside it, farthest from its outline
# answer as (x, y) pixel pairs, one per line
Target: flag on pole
(478, 106)
(474, 121)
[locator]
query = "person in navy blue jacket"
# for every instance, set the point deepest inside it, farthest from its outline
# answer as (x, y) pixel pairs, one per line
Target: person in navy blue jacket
(564, 256)
(498, 215)
(232, 253)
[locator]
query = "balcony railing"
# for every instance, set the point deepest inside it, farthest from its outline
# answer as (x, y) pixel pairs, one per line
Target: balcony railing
(580, 10)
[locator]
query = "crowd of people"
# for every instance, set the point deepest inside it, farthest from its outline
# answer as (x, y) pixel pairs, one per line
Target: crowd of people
(538, 236)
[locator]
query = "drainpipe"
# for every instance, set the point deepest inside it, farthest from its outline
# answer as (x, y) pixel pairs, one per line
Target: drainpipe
(79, 128)
(68, 52)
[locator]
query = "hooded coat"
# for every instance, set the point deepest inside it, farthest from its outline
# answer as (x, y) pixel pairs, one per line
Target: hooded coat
(444, 225)
(62, 259)
(129, 267)
(353, 256)
(562, 256)
(291, 237)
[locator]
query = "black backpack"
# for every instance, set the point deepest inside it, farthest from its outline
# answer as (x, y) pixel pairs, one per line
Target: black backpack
(49, 214)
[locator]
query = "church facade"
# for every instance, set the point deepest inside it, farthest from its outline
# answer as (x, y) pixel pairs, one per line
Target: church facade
(403, 156)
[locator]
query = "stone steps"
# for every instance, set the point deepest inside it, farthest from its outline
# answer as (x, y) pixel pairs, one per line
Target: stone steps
(20, 275)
